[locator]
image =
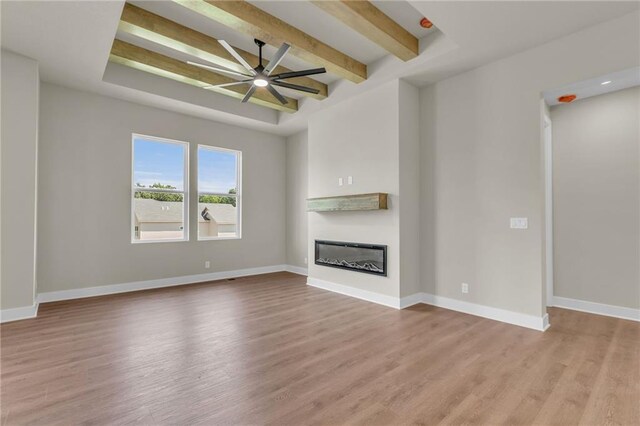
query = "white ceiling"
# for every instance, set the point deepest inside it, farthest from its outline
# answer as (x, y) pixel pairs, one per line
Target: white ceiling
(489, 30)
(312, 20)
(407, 16)
(593, 87)
(188, 18)
(71, 41)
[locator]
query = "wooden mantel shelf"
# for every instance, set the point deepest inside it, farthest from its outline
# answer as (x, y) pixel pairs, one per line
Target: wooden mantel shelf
(375, 201)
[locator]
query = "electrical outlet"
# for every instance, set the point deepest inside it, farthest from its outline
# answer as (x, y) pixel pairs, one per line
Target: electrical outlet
(340, 182)
(350, 180)
(465, 288)
(207, 264)
(305, 260)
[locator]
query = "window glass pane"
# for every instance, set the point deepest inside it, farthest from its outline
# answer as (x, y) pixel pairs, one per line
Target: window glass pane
(217, 220)
(217, 171)
(159, 211)
(218, 200)
(158, 164)
(158, 216)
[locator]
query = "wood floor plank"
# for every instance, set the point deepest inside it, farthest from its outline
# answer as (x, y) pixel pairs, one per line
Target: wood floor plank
(268, 349)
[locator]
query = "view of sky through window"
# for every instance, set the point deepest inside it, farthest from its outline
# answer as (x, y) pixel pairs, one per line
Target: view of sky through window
(158, 162)
(217, 170)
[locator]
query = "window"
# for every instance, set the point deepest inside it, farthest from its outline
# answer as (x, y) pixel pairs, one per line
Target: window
(219, 193)
(160, 190)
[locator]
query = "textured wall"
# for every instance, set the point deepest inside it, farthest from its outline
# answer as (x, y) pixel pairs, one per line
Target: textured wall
(297, 182)
(596, 199)
(85, 177)
(20, 88)
(482, 163)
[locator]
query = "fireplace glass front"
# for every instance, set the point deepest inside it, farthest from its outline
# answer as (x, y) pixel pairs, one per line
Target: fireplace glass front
(358, 257)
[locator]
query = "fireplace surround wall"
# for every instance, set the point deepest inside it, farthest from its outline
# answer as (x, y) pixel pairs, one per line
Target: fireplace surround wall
(357, 257)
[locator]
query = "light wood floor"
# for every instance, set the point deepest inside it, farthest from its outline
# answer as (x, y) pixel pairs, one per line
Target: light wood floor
(269, 349)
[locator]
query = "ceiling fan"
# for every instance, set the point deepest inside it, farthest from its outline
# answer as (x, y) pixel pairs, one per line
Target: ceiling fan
(260, 76)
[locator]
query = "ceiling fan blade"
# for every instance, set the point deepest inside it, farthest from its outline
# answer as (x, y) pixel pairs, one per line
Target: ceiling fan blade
(295, 87)
(277, 58)
(216, 69)
(233, 83)
(292, 74)
(278, 96)
(250, 92)
(236, 55)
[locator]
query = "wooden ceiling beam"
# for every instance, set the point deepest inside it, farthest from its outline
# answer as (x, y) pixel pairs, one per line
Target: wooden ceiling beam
(371, 22)
(155, 63)
(248, 19)
(155, 28)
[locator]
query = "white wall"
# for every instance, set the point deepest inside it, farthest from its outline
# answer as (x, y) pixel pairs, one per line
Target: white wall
(19, 122)
(596, 199)
(297, 182)
(361, 137)
(85, 176)
(409, 174)
(482, 163)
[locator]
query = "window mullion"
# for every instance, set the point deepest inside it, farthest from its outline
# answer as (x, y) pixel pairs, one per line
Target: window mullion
(220, 194)
(159, 191)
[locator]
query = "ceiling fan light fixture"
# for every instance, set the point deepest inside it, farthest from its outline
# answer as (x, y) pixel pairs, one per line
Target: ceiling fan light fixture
(260, 82)
(260, 76)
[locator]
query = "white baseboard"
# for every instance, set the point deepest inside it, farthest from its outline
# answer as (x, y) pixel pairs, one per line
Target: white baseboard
(503, 315)
(15, 314)
(296, 270)
(529, 321)
(597, 308)
(370, 296)
(545, 322)
(411, 300)
(150, 284)
(510, 317)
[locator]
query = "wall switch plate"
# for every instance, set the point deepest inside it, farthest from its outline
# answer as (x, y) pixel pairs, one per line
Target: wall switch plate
(207, 264)
(340, 182)
(519, 223)
(350, 180)
(465, 288)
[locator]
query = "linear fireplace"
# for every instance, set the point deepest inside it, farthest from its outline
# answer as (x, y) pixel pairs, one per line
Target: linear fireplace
(367, 258)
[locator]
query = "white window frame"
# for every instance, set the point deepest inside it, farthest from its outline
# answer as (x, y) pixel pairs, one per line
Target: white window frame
(184, 192)
(238, 195)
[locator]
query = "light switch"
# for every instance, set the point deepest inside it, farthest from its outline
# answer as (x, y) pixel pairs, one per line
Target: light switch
(519, 223)
(340, 182)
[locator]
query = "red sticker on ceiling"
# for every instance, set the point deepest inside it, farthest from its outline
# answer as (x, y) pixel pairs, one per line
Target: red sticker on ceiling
(566, 98)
